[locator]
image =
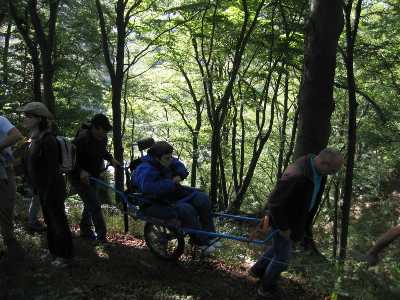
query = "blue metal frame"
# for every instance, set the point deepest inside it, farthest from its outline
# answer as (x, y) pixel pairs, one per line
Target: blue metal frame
(183, 230)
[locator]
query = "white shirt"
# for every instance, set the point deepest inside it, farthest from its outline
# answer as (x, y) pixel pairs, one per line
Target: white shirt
(5, 127)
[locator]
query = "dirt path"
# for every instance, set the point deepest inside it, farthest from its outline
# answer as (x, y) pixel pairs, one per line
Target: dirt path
(126, 269)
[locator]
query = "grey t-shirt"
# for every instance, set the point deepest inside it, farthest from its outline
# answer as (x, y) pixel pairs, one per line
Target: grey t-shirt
(5, 127)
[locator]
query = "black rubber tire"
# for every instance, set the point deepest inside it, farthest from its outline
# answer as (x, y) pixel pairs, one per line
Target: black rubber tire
(164, 242)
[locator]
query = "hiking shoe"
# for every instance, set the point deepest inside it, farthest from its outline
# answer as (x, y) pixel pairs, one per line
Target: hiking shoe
(207, 250)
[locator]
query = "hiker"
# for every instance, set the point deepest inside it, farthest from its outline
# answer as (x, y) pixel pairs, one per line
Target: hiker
(159, 177)
(91, 151)
(383, 241)
(43, 169)
(288, 206)
(9, 135)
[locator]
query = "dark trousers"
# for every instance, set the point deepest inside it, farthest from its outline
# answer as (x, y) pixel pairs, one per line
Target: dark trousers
(7, 202)
(92, 213)
(194, 211)
(273, 262)
(59, 236)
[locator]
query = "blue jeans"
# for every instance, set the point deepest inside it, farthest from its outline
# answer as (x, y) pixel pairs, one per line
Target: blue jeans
(273, 262)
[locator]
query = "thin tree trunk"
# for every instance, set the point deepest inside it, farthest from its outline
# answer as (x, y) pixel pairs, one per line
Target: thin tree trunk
(46, 44)
(117, 79)
(335, 219)
(351, 34)
(283, 128)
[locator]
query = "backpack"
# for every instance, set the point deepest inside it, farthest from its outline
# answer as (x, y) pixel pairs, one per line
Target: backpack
(67, 158)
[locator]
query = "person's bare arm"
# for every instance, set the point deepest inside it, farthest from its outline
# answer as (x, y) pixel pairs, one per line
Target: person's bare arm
(13, 136)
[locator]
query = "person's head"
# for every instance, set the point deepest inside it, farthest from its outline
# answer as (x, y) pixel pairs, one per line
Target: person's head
(328, 161)
(100, 126)
(36, 115)
(161, 152)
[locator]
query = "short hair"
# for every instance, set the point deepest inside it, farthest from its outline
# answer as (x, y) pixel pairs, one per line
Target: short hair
(101, 120)
(330, 154)
(160, 148)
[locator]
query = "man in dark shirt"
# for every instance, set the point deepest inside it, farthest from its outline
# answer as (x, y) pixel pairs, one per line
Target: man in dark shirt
(91, 151)
(289, 204)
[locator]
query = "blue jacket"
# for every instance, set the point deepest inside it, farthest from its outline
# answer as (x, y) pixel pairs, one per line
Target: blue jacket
(155, 180)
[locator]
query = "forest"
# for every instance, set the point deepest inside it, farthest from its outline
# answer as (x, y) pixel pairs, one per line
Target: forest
(241, 89)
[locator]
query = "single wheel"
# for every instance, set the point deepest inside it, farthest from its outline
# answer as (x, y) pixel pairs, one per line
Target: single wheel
(164, 242)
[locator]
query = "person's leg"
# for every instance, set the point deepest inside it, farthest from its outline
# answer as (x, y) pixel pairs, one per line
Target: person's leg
(59, 236)
(7, 203)
(188, 216)
(201, 203)
(258, 269)
(282, 248)
(92, 211)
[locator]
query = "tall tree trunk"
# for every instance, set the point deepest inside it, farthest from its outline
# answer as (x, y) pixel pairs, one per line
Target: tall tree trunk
(117, 79)
(195, 157)
(47, 47)
(316, 91)
(351, 33)
(335, 218)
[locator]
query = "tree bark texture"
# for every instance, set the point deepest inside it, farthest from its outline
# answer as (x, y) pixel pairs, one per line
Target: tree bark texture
(316, 92)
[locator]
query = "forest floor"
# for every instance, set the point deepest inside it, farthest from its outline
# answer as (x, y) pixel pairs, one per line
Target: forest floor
(124, 268)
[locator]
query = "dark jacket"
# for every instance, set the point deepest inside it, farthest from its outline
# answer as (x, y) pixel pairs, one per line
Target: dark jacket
(155, 180)
(289, 202)
(43, 166)
(90, 154)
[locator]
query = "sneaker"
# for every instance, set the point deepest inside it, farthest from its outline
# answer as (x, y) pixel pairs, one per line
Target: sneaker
(207, 250)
